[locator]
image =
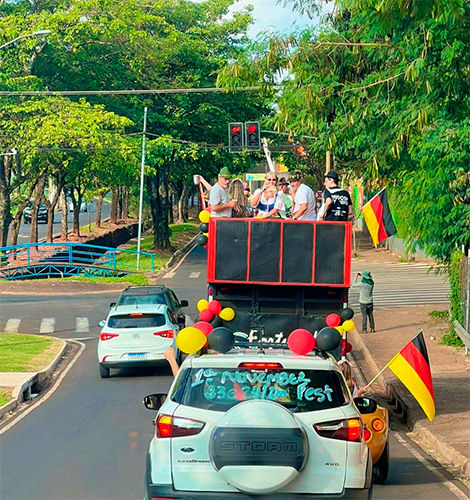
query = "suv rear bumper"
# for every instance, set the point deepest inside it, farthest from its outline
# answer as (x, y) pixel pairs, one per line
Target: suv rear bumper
(161, 492)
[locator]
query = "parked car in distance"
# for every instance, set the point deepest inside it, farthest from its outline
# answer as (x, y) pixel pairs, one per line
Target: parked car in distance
(135, 336)
(83, 206)
(42, 213)
(154, 294)
(258, 422)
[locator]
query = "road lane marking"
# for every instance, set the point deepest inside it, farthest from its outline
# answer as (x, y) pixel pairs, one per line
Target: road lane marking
(48, 395)
(82, 325)
(12, 326)
(168, 276)
(195, 275)
(424, 461)
(47, 325)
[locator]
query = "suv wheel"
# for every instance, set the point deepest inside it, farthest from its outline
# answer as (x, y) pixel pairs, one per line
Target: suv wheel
(258, 458)
(381, 466)
(104, 372)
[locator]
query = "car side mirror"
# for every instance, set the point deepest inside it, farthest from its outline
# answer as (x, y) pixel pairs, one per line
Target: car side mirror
(102, 323)
(184, 303)
(154, 401)
(112, 304)
(365, 405)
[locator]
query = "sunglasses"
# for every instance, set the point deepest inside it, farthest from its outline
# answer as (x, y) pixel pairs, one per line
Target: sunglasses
(274, 180)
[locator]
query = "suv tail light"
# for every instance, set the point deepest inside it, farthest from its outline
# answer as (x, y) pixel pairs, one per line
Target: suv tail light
(108, 336)
(350, 429)
(260, 366)
(367, 434)
(168, 426)
(167, 334)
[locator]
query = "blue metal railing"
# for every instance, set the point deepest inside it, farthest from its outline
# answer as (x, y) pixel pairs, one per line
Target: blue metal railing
(74, 254)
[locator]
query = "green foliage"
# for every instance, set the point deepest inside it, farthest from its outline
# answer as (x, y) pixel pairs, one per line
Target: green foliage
(439, 314)
(456, 309)
(5, 397)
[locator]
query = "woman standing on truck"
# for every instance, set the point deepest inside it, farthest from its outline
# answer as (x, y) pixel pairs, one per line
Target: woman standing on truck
(268, 200)
(236, 192)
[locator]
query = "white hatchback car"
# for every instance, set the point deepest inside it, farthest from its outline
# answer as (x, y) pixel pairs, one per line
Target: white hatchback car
(135, 336)
(251, 423)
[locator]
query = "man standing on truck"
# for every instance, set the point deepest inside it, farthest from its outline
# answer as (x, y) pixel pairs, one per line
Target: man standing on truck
(220, 203)
(338, 204)
(305, 205)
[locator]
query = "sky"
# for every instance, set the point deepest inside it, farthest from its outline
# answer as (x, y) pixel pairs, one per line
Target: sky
(268, 14)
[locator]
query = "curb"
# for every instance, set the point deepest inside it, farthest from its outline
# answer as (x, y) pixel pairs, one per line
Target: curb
(421, 434)
(181, 253)
(38, 377)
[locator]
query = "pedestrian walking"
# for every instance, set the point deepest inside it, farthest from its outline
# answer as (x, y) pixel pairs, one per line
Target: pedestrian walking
(366, 300)
(305, 206)
(337, 204)
(220, 203)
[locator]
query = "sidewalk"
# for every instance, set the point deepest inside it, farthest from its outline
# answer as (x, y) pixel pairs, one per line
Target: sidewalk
(447, 437)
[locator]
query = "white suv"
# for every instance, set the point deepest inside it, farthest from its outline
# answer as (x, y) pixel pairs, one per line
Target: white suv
(254, 422)
(135, 335)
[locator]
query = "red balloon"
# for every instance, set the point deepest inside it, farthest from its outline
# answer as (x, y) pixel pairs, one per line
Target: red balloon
(348, 347)
(301, 342)
(205, 315)
(206, 246)
(205, 327)
(215, 307)
(333, 320)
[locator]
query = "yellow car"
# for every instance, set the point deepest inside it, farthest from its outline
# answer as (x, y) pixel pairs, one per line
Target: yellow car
(376, 425)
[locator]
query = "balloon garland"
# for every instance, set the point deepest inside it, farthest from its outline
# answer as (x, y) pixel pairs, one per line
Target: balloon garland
(202, 238)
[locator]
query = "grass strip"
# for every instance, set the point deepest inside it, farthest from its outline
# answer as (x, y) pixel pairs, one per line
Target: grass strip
(26, 353)
(5, 396)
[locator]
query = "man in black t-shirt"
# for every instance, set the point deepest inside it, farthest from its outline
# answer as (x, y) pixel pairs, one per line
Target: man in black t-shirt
(337, 205)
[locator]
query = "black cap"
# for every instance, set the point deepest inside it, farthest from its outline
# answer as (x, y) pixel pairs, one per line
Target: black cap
(332, 175)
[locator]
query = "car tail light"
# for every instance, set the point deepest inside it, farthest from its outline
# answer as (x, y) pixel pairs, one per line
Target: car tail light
(168, 426)
(132, 315)
(108, 336)
(367, 434)
(260, 366)
(167, 334)
(163, 498)
(350, 429)
(378, 424)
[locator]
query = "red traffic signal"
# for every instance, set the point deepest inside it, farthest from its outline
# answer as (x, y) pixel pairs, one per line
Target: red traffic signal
(253, 136)
(235, 137)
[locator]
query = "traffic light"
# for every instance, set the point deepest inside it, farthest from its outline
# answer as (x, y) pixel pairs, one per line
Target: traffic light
(235, 137)
(253, 139)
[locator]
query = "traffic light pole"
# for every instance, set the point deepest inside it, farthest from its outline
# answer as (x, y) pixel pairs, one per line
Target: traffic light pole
(141, 200)
(267, 153)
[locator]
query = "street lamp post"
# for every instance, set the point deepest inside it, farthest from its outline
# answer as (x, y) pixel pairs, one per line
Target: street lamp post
(36, 33)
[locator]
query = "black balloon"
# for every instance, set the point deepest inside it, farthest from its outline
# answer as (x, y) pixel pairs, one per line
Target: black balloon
(328, 339)
(221, 339)
(346, 314)
(202, 240)
(216, 322)
(203, 227)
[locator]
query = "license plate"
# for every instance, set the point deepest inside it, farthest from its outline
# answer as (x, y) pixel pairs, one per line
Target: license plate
(137, 355)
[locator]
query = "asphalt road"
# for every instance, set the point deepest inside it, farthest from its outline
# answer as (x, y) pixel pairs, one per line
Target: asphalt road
(89, 439)
(85, 218)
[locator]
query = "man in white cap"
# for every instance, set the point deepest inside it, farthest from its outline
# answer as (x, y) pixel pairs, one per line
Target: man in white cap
(305, 205)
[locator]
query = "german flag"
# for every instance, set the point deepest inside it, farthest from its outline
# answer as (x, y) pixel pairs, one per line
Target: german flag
(378, 217)
(411, 366)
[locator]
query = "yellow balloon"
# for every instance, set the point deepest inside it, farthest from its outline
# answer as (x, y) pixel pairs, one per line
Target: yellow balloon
(204, 216)
(340, 329)
(190, 340)
(348, 325)
(227, 314)
(202, 304)
(206, 234)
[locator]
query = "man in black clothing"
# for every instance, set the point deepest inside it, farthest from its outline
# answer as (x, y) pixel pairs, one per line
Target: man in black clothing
(337, 205)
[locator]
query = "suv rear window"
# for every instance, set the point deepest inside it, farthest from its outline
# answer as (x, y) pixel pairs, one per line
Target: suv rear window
(136, 321)
(300, 391)
(127, 300)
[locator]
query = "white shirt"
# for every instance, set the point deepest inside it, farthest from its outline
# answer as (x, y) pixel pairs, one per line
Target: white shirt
(306, 195)
(219, 196)
(265, 206)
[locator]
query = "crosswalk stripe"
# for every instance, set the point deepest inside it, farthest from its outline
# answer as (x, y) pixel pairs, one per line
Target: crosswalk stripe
(47, 325)
(195, 275)
(82, 325)
(12, 326)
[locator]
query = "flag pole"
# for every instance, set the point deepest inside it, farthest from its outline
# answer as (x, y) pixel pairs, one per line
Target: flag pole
(381, 371)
